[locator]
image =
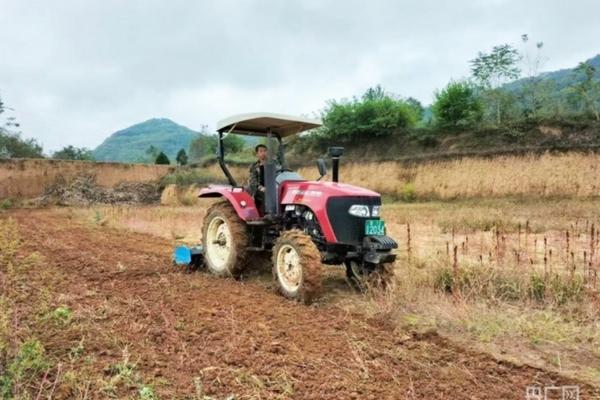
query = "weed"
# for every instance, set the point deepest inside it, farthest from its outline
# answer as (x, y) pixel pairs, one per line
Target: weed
(98, 218)
(474, 224)
(9, 241)
(28, 364)
(61, 315)
(443, 280)
(508, 285)
(125, 374)
(408, 193)
(77, 351)
(5, 204)
(147, 393)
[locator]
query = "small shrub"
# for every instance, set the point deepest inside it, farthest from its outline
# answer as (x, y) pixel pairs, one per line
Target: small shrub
(408, 193)
(457, 106)
(62, 315)
(147, 393)
(565, 289)
(76, 351)
(123, 370)
(5, 204)
(537, 287)
(507, 288)
(98, 217)
(443, 280)
(28, 364)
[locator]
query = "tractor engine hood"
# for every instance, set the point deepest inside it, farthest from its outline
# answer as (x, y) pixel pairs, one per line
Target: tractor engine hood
(326, 199)
(292, 192)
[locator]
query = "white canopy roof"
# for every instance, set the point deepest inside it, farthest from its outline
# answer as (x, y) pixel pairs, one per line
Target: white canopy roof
(259, 124)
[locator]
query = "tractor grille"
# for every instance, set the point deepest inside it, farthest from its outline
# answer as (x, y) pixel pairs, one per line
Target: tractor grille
(349, 229)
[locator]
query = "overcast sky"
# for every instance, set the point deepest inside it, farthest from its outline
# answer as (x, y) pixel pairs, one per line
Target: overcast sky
(76, 71)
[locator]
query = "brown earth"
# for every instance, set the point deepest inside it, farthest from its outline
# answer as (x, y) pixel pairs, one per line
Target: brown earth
(192, 334)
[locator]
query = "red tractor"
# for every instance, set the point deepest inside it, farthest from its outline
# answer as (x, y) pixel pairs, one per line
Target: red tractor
(305, 224)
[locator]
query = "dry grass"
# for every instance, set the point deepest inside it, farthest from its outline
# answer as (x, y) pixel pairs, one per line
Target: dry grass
(182, 224)
(561, 175)
(240, 174)
(26, 178)
(570, 175)
(496, 292)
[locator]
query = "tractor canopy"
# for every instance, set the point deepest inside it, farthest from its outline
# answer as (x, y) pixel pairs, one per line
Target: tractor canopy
(261, 124)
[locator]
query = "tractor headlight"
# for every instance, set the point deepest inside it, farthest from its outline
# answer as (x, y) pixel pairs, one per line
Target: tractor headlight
(359, 210)
(376, 210)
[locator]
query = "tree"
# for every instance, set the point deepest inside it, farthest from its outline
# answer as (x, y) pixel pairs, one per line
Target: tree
(533, 94)
(376, 113)
(152, 152)
(11, 143)
(374, 93)
(492, 70)
(203, 145)
(182, 158)
(162, 159)
(587, 88)
(233, 143)
(73, 153)
(417, 107)
(206, 145)
(457, 106)
(13, 146)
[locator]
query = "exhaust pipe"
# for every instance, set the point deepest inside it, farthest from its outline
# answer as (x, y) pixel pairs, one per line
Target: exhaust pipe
(335, 153)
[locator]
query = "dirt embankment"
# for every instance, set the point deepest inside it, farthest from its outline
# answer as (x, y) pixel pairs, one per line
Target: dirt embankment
(431, 144)
(84, 191)
(27, 178)
(192, 332)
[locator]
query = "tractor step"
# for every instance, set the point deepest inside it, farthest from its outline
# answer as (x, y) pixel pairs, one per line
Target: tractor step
(261, 222)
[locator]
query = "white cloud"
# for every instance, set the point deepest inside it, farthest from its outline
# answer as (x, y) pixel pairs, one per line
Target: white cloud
(77, 71)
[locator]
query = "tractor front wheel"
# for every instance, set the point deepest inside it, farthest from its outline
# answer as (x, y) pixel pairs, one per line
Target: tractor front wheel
(362, 278)
(297, 267)
(225, 240)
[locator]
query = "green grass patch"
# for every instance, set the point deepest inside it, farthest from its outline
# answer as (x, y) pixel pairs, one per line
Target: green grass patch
(28, 364)
(5, 204)
(61, 315)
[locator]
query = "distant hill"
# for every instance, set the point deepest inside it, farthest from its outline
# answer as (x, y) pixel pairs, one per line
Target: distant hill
(130, 144)
(561, 78)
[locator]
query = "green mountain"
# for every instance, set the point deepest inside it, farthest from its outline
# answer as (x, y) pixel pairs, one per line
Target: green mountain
(560, 78)
(130, 144)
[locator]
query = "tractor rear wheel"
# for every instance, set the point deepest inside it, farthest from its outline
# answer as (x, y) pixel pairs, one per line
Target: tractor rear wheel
(297, 267)
(225, 240)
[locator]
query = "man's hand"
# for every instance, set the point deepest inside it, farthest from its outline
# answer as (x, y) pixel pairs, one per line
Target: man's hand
(261, 188)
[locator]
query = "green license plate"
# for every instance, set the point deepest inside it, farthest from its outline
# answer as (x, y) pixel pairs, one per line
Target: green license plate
(374, 227)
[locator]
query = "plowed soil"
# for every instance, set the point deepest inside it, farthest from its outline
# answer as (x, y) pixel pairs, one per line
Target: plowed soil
(193, 335)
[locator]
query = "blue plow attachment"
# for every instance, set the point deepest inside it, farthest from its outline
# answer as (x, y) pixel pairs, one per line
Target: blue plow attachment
(188, 256)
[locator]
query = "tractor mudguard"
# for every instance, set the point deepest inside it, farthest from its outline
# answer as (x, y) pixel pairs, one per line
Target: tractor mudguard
(242, 202)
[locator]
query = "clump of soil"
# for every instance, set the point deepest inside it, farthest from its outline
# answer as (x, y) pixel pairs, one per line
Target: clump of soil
(84, 191)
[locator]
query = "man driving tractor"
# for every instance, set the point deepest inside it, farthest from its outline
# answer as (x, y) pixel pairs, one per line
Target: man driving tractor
(256, 182)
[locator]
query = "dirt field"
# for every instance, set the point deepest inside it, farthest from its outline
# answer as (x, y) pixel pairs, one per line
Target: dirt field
(192, 335)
